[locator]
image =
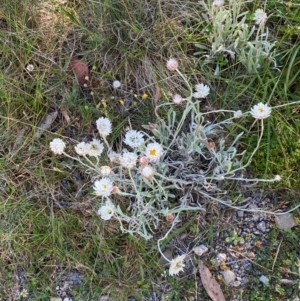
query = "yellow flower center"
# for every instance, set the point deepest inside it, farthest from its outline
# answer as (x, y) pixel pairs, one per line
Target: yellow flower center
(104, 186)
(261, 110)
(153, 152)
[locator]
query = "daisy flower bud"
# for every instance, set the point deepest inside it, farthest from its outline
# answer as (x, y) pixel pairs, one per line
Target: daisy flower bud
(218, 3)
(147, 171)
(151, 126)
(172, 64)
(115, 190)
(144, 160)
(211, 145)
(170, 218)
(105, 171)
(177, 99)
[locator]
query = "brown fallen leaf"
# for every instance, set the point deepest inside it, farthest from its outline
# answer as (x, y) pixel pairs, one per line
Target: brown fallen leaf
(80, 69)
(210, 284)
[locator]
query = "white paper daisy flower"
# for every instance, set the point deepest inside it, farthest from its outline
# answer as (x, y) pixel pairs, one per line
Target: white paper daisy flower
(277, 178)
(29, 67)
(238, 114)
(201, 91)
(116, 84)
(104, 126)
(261, 111)
(103, 187)
(114, 157)
(57, 146)
(82, 148)
(147, 171)
(172, 64)
(154, 151)
(134, 138)
(128, 160)
(106, 211)
(260, 16)
(218, 3)
(176, 265)
(95, 148)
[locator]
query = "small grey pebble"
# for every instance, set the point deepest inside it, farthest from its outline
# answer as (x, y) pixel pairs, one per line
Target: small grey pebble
(262, 226)
(240, 214)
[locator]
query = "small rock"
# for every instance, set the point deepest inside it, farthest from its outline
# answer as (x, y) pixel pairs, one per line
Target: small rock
(236, 283)
(264, 279)
(67, 299)
(200, 250)
(55, 299)
(285, 221)
(262, 226)
(104, 298)
(221, 257)
(233, 218)
(240, 214)
(228, 276)
(250, 255)
(248, 245)
(168, 254)
(256, 215)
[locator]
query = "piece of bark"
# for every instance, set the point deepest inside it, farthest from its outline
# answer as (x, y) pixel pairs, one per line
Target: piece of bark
(157, 95)
(45, 124)
(64, 112)
(210, 284)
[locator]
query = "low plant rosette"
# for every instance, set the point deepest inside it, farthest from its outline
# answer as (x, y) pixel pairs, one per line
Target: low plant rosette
(166, 169)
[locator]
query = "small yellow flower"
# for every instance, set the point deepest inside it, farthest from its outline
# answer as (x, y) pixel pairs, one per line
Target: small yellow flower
(104, 103)
(85, 85)
(144, 96)
(121, 101)
(87, 78)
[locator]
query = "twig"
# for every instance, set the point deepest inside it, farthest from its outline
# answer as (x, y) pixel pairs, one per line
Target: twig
(275, 259)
